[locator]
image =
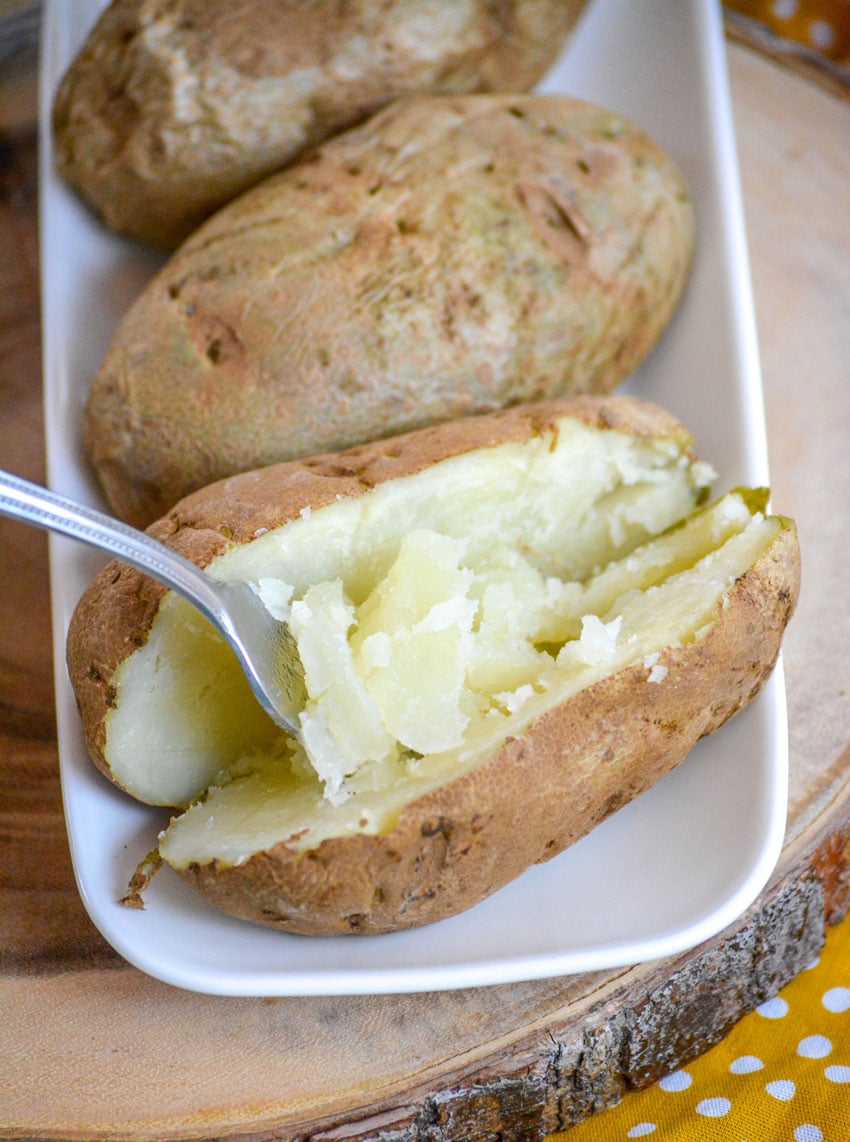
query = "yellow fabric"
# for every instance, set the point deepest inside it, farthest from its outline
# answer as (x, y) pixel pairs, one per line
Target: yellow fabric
(822, 25)
(781, 1075)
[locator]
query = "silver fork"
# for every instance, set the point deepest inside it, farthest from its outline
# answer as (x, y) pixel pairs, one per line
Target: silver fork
(264, 646)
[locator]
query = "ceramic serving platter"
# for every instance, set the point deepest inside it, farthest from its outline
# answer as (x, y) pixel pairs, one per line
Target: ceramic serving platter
(662, 874)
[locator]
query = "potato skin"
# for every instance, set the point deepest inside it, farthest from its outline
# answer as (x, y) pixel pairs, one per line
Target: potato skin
(115, 612)
(170, 110)
(539, 794)
(449, 257)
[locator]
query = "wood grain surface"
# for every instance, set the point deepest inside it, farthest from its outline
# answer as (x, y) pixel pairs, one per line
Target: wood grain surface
(91, 1048)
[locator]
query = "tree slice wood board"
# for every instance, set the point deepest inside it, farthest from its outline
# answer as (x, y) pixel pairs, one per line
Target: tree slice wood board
(91, 1048)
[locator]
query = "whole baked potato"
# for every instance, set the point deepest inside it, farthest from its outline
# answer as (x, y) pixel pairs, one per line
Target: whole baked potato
(449, 257)
(509, 626)
(172, 109)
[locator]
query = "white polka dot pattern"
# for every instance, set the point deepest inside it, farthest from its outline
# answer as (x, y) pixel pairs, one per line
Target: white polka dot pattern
(783, 1089)
(776, 1008)
(808, 1133)
(838, 1074)
(745, 1065)
(837, 999)
(713, 1107)
(814, 1047)
(782, 1074)
(679, 1080)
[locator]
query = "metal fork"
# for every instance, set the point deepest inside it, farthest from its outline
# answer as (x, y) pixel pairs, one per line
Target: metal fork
(264, 646)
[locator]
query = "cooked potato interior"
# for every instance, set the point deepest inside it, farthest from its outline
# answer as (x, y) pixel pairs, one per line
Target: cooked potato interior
(435, 616)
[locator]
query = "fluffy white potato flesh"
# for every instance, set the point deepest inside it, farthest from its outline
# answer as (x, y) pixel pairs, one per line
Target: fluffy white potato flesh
(272, 797)
(435, 615)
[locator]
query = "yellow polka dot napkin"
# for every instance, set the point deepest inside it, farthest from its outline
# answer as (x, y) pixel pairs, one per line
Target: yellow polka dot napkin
(821, 25)
(781, 1075)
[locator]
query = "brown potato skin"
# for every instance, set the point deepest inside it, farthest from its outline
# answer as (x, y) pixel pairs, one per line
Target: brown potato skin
(115, 612)
(451, 256)
(171, 110)
(541, 792)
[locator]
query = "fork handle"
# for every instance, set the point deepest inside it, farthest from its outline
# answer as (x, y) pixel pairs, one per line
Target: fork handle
(22, 500)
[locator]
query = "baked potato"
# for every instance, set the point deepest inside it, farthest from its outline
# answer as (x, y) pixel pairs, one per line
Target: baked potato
(449, 257)
(172, 109)
(510, 626)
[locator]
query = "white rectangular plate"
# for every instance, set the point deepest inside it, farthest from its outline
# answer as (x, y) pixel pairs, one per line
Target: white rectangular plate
(667, 871)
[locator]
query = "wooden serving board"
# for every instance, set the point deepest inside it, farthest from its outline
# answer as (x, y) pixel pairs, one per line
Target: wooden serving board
(91, 1048)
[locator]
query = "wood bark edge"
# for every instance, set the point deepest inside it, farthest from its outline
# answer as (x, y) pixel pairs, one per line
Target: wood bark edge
(675, 1010)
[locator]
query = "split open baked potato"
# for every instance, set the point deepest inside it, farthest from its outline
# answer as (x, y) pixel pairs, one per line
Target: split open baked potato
(510, 626)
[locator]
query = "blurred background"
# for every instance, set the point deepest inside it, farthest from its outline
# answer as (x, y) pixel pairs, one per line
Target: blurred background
(805, 33)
